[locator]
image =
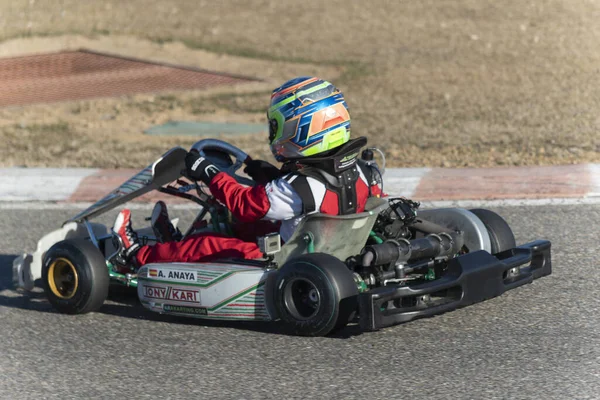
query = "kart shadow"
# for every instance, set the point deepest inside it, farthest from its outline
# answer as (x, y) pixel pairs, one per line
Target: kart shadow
(11, 298)
(123, 302)
(6, 270)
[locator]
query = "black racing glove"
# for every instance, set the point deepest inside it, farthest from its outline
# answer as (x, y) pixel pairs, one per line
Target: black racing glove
(262, 172)
(200, 168)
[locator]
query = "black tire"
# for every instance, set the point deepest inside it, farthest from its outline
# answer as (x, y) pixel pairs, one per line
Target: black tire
(501, 236)
(75, 277)
(315, 294)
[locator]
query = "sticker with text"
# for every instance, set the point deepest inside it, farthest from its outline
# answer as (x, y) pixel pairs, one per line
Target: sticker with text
(173, 274)
(169, 293)
(185, 309)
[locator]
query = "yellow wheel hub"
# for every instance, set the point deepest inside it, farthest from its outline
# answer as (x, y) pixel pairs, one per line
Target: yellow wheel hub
(62, 278)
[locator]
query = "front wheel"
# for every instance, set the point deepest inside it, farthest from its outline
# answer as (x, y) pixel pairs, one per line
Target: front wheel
(315, 294)
(75, 277)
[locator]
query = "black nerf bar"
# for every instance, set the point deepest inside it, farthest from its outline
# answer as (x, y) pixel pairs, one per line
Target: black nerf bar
(469, 279)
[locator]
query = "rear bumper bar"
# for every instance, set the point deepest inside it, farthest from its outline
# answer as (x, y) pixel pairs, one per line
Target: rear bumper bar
(469, 279)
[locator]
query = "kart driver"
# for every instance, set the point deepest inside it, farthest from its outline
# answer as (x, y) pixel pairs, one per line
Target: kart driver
(309, 132)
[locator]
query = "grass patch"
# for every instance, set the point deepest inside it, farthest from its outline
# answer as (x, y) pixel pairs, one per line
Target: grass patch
(352, 69)
(101, 32)
(54, 129)
(254, 102)
(26, 145)
(42, 34)
(220, 48)
(159, 40)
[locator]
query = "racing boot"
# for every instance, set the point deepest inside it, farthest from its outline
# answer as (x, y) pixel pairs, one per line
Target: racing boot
(127, 237)
(162, 226)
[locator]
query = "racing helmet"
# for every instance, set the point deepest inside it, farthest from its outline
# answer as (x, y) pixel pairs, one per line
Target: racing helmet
(307, 116)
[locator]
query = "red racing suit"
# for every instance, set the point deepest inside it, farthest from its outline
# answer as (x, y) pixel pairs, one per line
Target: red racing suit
(287, 200)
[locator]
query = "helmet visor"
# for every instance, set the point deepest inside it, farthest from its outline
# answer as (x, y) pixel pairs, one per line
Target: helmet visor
(273, 126)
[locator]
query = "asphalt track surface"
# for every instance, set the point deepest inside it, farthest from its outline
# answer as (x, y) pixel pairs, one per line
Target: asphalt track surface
(541, 341)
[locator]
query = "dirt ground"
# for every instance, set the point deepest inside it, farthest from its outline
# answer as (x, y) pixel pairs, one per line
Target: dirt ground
(450, 83)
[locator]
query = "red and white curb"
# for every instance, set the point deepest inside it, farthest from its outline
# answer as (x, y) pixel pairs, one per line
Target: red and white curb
(567, 184)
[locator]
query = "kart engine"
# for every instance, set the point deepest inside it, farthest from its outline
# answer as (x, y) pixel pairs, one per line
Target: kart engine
(393, 223)
(407, 248)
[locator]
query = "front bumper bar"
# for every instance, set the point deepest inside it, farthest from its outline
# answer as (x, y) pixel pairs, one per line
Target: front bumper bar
(469, 279)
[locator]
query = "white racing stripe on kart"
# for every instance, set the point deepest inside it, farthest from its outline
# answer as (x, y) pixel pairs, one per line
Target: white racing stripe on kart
(40, 184)
(425, 204)
(403, 181)
(594, 190)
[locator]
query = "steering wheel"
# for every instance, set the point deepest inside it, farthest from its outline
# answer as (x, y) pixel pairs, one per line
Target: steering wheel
(220, 153)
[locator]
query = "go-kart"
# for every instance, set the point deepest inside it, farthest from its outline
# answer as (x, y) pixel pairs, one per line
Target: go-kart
(390, 264)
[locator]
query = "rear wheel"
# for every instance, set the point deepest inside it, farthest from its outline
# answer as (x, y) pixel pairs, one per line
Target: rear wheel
(501, 236)
(75, 277)
(315, 294)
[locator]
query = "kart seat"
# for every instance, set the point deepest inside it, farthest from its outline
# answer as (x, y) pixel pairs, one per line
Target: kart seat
(341, 236)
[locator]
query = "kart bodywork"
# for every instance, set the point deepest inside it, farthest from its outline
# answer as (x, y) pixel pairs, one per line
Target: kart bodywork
(386, 265)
